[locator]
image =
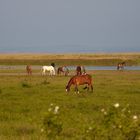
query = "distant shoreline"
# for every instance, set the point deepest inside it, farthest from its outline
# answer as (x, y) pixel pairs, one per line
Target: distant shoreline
(110, 59)
(6, 54)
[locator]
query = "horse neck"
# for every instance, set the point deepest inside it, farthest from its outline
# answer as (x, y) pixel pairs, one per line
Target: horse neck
(70, 83)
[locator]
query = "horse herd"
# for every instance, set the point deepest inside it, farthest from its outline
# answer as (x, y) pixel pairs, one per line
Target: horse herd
(80, 78)
(63, 70)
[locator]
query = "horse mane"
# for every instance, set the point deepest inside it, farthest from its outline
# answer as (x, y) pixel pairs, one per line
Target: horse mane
(70, 81)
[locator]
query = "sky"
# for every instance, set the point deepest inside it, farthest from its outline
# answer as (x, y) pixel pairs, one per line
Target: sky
(58, 26)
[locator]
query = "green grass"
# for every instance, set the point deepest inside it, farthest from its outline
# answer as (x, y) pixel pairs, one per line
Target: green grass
(25, 99)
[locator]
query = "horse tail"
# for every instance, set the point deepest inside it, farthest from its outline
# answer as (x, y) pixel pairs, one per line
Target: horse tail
(91, 84)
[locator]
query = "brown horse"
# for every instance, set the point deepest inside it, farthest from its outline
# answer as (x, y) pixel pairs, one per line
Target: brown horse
(120, 66)
(80, 80)
(29, 70)
(78, 70)
(64, 70)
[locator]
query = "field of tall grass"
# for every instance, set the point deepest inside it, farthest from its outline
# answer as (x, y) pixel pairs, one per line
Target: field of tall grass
(70, 59)
(25, 102)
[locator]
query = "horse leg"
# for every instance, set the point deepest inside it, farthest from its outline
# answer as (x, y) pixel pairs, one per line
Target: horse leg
(76, 89)
(58, 72)
(91, 86)
(50, 72)
(43, 72)
(66, 73)
(53, 72)
(88, 87)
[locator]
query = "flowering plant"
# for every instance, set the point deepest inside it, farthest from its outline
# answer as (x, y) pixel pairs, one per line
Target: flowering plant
(117, 123)
(52, 123)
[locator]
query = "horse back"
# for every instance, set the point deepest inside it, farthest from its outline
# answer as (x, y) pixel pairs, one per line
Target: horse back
(83, 79)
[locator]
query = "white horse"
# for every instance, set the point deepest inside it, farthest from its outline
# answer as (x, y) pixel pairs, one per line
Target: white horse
(48, 68)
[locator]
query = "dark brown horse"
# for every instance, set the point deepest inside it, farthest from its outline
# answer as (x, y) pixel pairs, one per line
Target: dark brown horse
(78, 70)
(80, 80)
(63, 70)
(120, 66)
(29, 70)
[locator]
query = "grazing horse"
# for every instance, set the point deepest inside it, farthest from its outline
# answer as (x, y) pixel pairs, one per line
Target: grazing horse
(64, 70)
(48, 68)
(80, 80)
(120, 66)
(29, 70)
(79, 70)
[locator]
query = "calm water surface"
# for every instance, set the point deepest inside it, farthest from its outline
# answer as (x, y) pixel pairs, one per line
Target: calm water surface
(3, 67)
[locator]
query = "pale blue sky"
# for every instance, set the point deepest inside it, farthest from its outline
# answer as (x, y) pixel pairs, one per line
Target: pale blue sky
(69, 25)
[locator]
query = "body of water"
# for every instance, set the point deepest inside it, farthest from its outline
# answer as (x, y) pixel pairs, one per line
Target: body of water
(37, 67)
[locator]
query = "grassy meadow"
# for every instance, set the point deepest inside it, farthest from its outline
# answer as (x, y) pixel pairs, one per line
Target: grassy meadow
(24, 100)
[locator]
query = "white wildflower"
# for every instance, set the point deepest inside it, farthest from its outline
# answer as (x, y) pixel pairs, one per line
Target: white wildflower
(113, 126)
(116, 105)
(50, 109)
(51, 104)
(42, 130)
(105, 113)
(124, 109)
(90, 128)
(102, 110)
(135, 117)
(120, 126)
(56, 109)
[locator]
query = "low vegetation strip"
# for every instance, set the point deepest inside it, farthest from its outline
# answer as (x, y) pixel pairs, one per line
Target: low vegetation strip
(70, 59)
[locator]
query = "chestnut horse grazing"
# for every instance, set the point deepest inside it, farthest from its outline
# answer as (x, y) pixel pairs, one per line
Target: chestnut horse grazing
(29, 70)
(80, 80)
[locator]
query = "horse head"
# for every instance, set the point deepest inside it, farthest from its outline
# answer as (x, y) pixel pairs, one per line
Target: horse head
(67, 88)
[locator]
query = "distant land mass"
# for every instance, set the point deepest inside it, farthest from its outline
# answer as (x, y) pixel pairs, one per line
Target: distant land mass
(67, 49)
